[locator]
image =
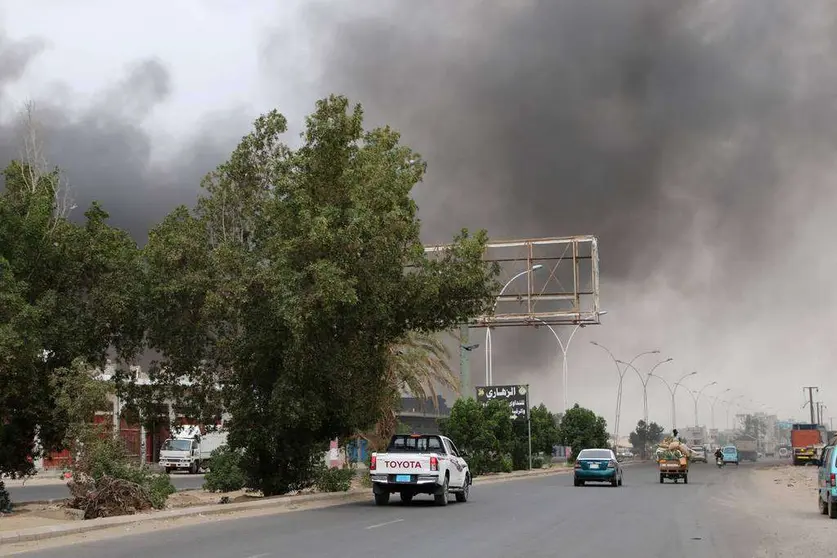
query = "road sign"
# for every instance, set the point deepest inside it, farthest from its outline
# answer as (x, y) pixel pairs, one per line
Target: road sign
(516, 396)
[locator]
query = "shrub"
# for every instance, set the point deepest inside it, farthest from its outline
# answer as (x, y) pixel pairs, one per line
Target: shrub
(225, 472)
(334, 480)
(537, 462)
(506, 464)
(102, 462)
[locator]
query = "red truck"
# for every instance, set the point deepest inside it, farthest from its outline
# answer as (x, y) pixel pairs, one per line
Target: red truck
(807, 442)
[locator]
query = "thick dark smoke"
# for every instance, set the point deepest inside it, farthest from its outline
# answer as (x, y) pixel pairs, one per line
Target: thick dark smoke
(695, 138)
(691, 136)
(577, 116)
(104, 150)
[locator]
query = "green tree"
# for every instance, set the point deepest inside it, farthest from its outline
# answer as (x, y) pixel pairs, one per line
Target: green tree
(67, 291)
(291, 280)
(581, 428)
(484, 434)
(78, 395)
(753, 426)
(545, 436)
(646, 435)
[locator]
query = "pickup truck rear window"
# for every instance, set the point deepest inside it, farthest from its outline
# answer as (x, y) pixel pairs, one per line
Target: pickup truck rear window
(415, 444)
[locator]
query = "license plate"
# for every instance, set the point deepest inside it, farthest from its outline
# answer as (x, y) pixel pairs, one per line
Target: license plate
(402, 478)
(594, 465)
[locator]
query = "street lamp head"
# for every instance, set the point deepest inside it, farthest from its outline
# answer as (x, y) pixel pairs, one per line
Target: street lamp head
(536, 267)
(669, 359)
(601, 312)
(655, 352)
(692, 373)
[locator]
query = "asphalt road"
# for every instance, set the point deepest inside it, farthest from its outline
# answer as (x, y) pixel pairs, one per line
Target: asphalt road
(536, 517)
(58, 491)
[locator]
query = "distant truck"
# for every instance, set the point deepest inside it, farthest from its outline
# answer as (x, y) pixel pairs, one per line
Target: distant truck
(189, 450)
(807, 441)
(747, 448)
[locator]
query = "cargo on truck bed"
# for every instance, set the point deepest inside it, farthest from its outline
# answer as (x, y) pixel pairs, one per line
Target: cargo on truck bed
(419, 464)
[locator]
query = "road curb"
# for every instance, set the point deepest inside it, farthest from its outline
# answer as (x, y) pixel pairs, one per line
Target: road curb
(54, 531)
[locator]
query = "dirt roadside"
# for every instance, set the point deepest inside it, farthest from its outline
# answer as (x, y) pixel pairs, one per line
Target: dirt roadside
(782, 501)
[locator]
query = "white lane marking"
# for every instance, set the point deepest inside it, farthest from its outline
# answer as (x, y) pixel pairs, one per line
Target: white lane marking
(383, 524)
(259, 555)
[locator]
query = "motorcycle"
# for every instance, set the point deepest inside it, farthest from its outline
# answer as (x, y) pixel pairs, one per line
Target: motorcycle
(719, 461)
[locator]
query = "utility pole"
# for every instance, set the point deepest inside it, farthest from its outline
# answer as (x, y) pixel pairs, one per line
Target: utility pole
(810, 390)
(819, 413)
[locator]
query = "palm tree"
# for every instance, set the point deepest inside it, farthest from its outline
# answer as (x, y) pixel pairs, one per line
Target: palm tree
(418, 363)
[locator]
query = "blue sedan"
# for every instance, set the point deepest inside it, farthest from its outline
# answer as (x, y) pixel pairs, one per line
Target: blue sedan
(597, 465)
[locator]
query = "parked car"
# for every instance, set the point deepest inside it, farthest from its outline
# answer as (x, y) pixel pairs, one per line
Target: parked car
(827, 483)
(597, 465)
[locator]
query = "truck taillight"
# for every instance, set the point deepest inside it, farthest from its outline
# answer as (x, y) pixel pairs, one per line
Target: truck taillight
(373, 463)
(434, 463)
(833, 479)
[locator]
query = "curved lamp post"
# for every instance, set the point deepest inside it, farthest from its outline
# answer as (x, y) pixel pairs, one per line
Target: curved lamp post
(489, 359)
(696, 397)
(564, 348)
(621, 372)
(644, 382)
(673, 392)
(712, 405)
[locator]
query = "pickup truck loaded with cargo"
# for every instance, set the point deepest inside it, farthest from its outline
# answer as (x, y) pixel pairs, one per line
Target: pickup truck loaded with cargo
(419, 464)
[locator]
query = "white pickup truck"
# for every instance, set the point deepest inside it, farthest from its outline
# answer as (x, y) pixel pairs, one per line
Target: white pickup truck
(419, 464)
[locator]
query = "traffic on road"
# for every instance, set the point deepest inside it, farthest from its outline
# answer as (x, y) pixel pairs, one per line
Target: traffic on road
(543, 516)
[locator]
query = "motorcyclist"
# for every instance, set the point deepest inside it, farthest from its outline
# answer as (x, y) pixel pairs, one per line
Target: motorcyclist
(719, 454)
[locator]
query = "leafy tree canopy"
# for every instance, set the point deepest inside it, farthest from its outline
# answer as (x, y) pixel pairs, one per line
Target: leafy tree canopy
(646, 434)
(289, 282)
(581, 428)
(67, 291)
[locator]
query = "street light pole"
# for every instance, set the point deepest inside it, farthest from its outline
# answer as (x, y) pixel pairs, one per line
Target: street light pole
(489, 359)
(673, 391)
(712, 406)
(621, 372)
(677, 384)
(697, 398)
(565, 347)
(644, 382)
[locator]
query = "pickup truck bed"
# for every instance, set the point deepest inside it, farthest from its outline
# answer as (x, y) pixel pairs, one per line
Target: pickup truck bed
(419, 464)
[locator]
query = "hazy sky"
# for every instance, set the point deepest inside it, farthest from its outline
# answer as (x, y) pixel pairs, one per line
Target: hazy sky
(695, 138)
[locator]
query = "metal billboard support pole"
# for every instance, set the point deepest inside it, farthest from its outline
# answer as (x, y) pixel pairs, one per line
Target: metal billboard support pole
(529, 425)
(529, 420)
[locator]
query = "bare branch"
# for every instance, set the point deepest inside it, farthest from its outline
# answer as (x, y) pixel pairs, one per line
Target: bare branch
(38, 173)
